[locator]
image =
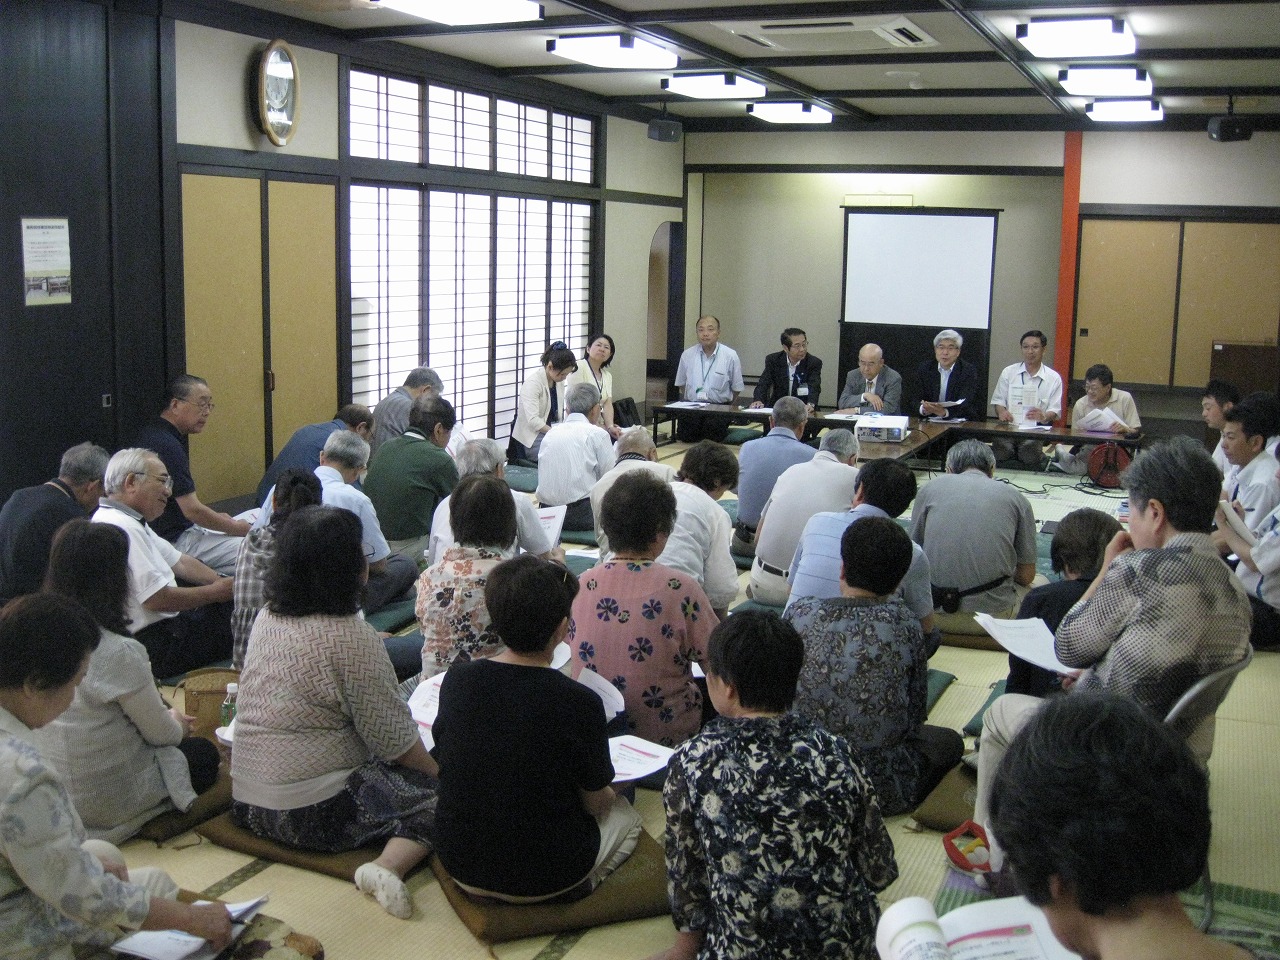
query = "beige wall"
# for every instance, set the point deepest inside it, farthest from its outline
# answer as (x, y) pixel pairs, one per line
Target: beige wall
(628, 238)
(773, 248)
(214, 72)
(1180, 168)
(638, 164)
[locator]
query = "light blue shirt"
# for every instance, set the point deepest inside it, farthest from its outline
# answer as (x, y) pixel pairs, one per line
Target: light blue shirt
(335, 492)
(815, 568)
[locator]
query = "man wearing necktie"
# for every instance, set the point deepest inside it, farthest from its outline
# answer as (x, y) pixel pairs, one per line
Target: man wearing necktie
(791, 372)
(873, 387)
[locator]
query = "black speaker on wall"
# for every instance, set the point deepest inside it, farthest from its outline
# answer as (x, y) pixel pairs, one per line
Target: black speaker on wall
(665, 131)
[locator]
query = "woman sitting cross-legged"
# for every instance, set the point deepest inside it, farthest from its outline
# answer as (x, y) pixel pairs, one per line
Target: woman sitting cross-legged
(61, 893)
(775, 844)
(526, 812)
(327, 756)
(639, 624)
(124, 756)
(450, 606)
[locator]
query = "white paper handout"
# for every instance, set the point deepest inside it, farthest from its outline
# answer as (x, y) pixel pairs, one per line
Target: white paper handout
(1101, 420)
(424, 704)
(634, 758)
(1028, 639)
(609, 695)
(552, 520)
(687, 404)
(175, 945)
(1237, 525)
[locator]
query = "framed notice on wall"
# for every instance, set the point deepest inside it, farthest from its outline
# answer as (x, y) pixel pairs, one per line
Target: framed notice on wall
(46, 260)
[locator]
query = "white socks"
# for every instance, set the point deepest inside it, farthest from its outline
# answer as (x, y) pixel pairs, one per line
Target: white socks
(385, 887)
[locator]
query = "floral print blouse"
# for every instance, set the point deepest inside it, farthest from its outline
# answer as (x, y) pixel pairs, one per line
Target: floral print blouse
(775, 843)
(451, 610)
(641, 625)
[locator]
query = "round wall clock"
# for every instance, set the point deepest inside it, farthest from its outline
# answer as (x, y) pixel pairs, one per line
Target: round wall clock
(278, 92)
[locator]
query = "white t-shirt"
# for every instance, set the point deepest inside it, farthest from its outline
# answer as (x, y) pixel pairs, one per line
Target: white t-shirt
(151, 561)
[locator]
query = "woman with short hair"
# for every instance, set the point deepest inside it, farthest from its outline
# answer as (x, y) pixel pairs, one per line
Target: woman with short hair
(639, 624)
(327, 756)
(124, 756)
(541, 401)
(450, 606)
(61, 892)
(595, 370)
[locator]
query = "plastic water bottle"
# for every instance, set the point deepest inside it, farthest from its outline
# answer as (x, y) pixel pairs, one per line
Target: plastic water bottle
(228, 712)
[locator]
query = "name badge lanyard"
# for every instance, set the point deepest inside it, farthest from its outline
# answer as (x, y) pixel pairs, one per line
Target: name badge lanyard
(706, 368)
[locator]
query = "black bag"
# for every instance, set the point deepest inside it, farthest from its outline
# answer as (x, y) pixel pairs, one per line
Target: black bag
(626, 413)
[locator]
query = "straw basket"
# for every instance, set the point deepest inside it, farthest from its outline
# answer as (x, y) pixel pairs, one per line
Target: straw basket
(204, 690)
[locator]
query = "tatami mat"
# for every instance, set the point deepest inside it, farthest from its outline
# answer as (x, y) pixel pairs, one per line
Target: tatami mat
(1244, 769)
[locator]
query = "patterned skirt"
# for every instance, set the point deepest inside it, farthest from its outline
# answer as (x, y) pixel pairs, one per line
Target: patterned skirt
(378, 801)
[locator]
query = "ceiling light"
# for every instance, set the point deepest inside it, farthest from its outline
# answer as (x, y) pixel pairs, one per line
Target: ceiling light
(1125, 111)
(789, 112)
(614, 51)
(715, 86)
(460, 13)
(1085, 37)
(1106, 81)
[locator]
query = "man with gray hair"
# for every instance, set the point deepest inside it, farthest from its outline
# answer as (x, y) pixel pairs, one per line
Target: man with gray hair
(947, 380)
(1164, 611)
(487, 456)
(762, 461)
(575, 454)
(635, 450)
(824, 484)
(391, 415)
(343, 459)
(182, 627)
(32, 516)
(980, 537)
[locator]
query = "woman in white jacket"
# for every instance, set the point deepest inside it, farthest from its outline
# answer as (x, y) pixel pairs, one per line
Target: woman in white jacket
(542, 400)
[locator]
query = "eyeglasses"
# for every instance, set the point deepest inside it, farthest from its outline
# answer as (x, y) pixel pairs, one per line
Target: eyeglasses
(164, 478)
(206, 406)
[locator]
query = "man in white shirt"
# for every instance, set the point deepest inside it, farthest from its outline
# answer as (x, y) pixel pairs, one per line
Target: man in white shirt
(1219, 397)
(709, 372)
(182, 627)
(575, 454)
(635, 450)
(1027, 392)
(824, 484)
(1251, 479)
(699, 543)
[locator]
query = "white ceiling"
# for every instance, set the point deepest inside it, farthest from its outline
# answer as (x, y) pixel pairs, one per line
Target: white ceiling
(974, 76)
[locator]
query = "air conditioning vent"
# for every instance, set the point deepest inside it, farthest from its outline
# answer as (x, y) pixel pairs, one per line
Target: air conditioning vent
(871, 34)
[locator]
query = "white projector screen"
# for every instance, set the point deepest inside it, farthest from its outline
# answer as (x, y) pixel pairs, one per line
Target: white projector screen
(919, 267)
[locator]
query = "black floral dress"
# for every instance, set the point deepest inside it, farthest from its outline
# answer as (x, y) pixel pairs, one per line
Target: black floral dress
(775, 844)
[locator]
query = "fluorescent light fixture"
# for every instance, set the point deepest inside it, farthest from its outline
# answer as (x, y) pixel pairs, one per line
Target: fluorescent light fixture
(613, 51)
(1125, 111)
(1077, 37)
(714, 86)
(776, 112)
(1105, 81)
(461, 13)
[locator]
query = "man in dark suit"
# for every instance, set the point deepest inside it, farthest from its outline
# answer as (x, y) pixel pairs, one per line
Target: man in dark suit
(961, 381)
(791, 372)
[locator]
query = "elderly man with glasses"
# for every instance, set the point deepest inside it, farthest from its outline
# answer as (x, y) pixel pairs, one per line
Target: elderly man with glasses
(182, 627)
(195, 529)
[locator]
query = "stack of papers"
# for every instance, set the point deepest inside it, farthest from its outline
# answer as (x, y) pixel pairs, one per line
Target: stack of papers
(634, 758)
(175, 945)
(1098, 421)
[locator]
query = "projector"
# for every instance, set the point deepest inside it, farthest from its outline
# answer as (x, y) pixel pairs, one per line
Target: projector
(874, 428)
(665, 131)
(1229, 129)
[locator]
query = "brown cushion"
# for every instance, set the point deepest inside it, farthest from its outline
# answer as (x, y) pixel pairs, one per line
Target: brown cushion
(343, 866)
(215, 800)
(635, 890)
(971, 641)
(951, 802)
